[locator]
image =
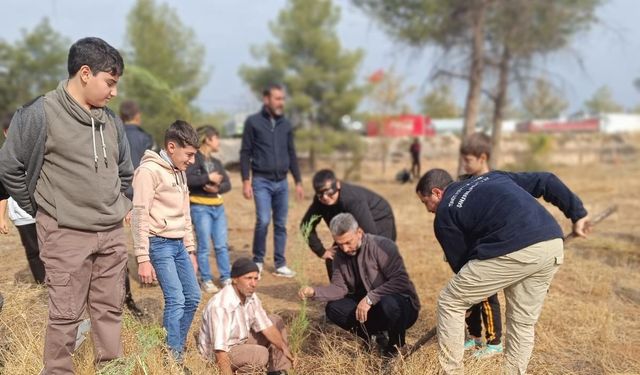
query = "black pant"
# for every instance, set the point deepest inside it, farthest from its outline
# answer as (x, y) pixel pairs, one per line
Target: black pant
(29, 239)
(393, 313)
(489, 312)
(415, 166)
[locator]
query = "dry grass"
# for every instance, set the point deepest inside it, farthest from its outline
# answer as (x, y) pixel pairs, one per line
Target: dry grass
(589, 324)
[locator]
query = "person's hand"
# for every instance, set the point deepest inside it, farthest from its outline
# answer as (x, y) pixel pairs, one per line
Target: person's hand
(299, 192)
(215, 177)
(146, 273)
(194, 262)
(127, 219)
(329, 253)
(210, 188)
(362, 310)
(247, 190)
(582, 227)
(306, 292)
(4, 228)
(289, 356)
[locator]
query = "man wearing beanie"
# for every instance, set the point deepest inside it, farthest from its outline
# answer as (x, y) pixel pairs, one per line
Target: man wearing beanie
(236, 331)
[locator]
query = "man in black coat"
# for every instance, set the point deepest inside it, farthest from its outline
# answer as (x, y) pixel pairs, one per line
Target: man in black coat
(372, 212)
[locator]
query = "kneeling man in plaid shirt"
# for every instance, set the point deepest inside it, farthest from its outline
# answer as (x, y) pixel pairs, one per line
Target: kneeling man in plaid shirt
(236, 331)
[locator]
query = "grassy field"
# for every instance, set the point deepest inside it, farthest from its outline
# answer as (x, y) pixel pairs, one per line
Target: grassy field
(589, 324)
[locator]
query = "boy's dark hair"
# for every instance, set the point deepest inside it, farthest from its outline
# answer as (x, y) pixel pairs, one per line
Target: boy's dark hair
(97, 54)
(181, 133)
(128, 110)
(476, 144)
(270, 87)
(6, 120)
(321, 177)
(434, 178)
(207, 131)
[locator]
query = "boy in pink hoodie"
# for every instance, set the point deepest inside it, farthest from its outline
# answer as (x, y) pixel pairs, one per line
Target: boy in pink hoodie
(162, 230)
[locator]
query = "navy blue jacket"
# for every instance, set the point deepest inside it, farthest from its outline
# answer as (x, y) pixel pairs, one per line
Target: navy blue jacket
(139, 142)
(198, 176)
(497, 213)
(267, 148)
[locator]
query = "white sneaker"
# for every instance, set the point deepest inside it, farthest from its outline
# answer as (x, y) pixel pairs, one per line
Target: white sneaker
(209, 287)
(81, 334)
(284, 271)
(260, 265)
(226, 282)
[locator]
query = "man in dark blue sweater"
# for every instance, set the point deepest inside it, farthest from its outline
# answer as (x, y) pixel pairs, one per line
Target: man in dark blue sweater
(268, 152)
(496, 235)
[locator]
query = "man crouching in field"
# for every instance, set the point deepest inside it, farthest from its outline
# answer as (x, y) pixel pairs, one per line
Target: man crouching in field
(496, 235)
(370, 290)
(236, 330)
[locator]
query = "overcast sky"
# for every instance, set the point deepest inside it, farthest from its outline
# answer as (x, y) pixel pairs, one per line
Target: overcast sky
(609, 53)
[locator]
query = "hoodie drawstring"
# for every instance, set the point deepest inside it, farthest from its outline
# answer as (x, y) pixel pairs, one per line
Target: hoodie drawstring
(93, 138)
(104, 146)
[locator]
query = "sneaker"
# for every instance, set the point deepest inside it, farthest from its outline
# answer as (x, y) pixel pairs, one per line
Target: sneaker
(225, 282)
(488, 351)
(133, 308)
(81, 334)
(260, 266)
(209, 287)
(284, 271)
(473, 343)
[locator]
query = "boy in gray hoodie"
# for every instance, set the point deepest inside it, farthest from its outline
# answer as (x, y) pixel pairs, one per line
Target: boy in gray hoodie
(66, 161)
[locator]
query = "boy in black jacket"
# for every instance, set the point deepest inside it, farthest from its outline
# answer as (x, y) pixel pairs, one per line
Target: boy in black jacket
(495, 235)
(207, 181)
(475, 152)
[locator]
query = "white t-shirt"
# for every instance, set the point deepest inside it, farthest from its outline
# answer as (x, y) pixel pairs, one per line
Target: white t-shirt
(18, 215)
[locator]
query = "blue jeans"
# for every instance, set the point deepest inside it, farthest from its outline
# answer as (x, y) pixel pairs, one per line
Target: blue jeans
(270, 196)
(210, 222)
(179, 286)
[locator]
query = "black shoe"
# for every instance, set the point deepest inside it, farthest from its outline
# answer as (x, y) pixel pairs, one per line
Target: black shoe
(281, 372)
(133, 308)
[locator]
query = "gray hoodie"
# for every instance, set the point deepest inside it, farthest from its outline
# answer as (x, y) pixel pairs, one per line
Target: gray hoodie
(76, 166)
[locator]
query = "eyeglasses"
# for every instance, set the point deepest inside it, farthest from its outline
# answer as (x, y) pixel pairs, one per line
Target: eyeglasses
(326, 193)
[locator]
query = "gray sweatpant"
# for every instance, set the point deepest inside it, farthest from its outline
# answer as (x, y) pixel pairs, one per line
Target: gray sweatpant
(525, 276)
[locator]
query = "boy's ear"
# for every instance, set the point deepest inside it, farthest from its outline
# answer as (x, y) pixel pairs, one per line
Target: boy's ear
(484, 157)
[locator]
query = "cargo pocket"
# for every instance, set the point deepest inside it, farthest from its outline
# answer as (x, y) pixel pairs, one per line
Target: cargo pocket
(61, 304)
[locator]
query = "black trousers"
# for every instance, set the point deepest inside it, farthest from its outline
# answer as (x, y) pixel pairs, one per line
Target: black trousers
(29, 239)
(487, 311)
(415, 166)
(393, 313)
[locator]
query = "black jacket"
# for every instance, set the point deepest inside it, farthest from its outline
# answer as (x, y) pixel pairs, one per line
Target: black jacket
(497, 213)
(267, 148)
(372, 212)
(198, 176)
(139, 142)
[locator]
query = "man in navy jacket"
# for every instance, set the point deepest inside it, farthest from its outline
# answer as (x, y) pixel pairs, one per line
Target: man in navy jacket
(496, 235)
(267, 154)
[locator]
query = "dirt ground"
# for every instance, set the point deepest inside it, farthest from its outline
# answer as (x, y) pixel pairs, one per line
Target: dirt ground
(589, 324)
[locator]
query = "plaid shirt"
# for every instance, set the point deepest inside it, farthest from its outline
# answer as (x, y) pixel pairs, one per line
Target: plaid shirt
(226, 322)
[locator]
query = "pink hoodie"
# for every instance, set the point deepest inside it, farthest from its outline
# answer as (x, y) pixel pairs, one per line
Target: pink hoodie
(160, 205)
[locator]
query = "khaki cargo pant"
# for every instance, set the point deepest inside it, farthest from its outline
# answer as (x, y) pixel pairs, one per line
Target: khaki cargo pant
(81, 267)
(258, 353)
(525, 276)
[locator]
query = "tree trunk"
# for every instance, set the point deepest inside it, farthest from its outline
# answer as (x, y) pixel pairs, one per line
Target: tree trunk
(499, 106)
(476, 69)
